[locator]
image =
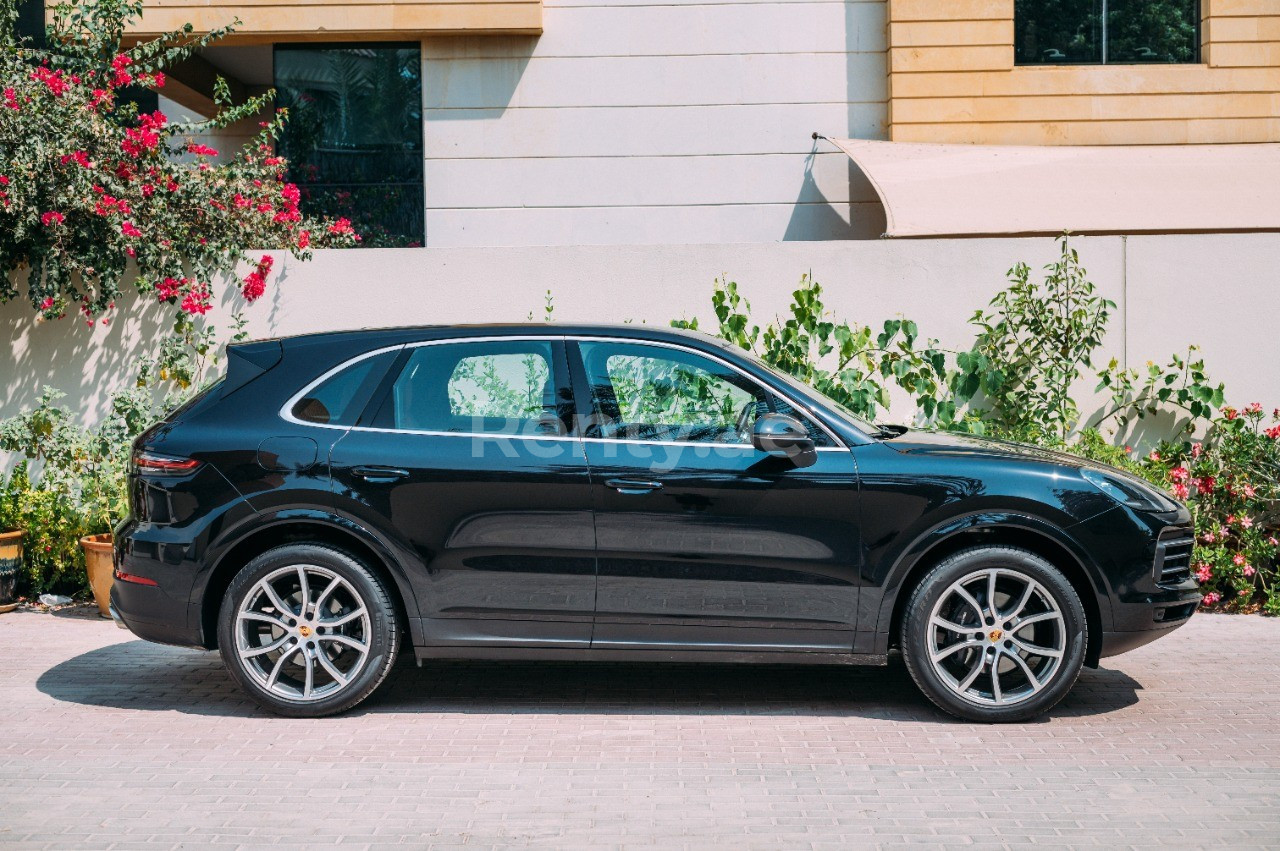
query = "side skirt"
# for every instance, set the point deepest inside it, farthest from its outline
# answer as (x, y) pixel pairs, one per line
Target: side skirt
(574, 654)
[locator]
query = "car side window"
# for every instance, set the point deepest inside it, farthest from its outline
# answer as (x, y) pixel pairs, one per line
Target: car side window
(643, 392)
(340, 398)
(500, 387)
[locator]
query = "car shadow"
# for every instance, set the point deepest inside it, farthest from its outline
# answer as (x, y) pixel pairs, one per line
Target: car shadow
(154, 678)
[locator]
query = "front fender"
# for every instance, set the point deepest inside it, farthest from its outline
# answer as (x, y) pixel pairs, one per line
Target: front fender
(916, 556)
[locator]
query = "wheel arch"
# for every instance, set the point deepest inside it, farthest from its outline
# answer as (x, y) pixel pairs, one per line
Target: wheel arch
(302, 527)
(1031, 534)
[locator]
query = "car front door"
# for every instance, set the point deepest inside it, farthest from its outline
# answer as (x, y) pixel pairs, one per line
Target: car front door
(466, 458)
(704, 542)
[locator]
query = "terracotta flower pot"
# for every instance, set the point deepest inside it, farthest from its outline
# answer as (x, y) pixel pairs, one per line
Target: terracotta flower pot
(97, 563)
(10, 561)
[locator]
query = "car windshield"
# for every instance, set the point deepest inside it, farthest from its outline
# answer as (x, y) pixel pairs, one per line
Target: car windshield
(812, 394)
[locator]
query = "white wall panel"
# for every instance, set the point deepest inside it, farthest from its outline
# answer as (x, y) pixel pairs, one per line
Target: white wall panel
(678, 225)
(649, 131)
(642, 181)
(651, 122)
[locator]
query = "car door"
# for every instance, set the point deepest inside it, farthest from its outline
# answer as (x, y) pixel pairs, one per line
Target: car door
(702, 541)
(465, 457)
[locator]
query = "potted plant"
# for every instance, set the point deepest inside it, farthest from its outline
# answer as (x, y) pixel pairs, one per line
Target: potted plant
(10, 541)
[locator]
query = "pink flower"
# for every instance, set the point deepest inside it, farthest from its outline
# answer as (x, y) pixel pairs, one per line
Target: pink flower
(341, 227)
(255, 283)
(304, 239)
(53, 80)
(1238, 559)
(100, 96)
(1230, 413)
(11, 98)
(121, 77)
(1196, 450)
(201, 150)
(1181, 491)
(1209, 537)
(1247, 522)
(47, 304)
(196, 301)
(1211, 598)
(1179, 474)
(51, 219)
(80, 158)
(128, 229)
(1249, 570)
(1154, 456)
(1204, 572)
(139, 139)
(1253, 408)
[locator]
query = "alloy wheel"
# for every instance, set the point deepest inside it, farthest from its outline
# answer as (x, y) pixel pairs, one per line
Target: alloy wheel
(303, 633)
(996, 637)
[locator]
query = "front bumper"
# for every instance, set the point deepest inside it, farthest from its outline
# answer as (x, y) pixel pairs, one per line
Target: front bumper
(1139, 623)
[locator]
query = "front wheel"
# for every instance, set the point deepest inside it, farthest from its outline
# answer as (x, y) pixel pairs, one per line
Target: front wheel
(307, 630)
(994, 634)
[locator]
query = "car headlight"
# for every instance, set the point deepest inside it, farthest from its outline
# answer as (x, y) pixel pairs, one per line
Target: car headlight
(1132, 492)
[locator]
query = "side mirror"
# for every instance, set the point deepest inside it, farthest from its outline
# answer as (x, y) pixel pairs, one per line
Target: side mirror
(783, 436)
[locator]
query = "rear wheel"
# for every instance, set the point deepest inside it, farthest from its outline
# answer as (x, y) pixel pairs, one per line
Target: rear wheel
(994, 634)
(307, 630)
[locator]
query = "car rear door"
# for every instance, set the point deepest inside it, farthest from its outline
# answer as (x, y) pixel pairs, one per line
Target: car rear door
(465, 457)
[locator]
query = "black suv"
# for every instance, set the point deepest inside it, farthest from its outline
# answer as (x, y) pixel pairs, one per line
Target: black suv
(619, 493)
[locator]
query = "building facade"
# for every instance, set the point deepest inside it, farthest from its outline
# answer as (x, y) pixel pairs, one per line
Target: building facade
(623, 153)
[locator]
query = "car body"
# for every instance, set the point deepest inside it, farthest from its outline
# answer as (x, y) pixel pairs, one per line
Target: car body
(518, 493)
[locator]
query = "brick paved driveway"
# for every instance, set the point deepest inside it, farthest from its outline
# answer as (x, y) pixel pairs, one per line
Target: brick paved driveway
(111, 742)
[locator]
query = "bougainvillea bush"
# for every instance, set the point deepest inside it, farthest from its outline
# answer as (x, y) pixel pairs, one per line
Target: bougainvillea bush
(1231, 481)
(95, 195)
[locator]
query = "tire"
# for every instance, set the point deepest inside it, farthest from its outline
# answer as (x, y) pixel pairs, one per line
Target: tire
(1037, 638)
(313, 662)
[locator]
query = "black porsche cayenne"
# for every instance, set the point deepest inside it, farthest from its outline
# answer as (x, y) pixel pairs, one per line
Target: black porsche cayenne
(619, 493)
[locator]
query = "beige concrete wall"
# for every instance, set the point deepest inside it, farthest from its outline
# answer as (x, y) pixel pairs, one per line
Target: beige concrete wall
(1215, 290)
(952, 79)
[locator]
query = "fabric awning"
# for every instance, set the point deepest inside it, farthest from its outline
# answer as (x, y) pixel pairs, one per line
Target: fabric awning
(971, 190)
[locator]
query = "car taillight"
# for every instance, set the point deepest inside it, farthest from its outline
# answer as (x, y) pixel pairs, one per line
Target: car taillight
(163, 465)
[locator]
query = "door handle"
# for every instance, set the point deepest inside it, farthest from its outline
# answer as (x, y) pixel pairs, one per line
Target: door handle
(633, 486)
(379, 475)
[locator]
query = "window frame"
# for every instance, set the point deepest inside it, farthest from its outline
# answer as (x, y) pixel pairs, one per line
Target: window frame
(287, 46)
(380, 408)
(568, 359)
(1103, 40)
(586, 408)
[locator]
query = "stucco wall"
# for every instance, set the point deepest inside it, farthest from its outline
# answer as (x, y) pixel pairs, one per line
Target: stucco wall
(633, 122)
(1217, 290)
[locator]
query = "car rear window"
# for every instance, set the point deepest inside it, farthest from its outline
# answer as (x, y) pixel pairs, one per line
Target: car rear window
(340, 398)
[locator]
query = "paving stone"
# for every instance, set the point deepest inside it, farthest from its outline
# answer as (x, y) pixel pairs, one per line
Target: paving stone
(110, 742)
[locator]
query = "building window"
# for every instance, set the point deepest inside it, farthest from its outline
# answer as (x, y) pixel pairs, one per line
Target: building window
(354, 135)
(1119, 32)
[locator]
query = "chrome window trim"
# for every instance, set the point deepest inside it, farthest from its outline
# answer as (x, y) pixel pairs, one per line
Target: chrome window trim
(286, 411)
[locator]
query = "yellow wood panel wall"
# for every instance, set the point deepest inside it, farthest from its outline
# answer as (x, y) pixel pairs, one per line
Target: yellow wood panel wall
(334, 20)
(952, 79)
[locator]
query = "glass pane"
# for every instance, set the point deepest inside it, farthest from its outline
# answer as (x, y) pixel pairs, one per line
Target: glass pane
(354, 135)
(497, 387)
(651, 393)
(1153, 31)
(340, 399)
(1057, 32)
